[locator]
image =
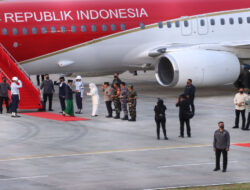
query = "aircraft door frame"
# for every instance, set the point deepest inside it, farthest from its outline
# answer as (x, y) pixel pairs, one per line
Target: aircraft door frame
(202, 25)
(186, 26)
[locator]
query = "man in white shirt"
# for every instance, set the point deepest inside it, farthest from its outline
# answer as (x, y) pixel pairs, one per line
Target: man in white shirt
(15, 85)
(240, 100)
(79, 93)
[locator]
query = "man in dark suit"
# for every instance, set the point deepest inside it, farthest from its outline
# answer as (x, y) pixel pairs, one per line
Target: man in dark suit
(190, 90)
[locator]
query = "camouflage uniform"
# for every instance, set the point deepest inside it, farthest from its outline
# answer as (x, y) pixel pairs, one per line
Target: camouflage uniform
(116, 100)
(132, 104)
(124, 100)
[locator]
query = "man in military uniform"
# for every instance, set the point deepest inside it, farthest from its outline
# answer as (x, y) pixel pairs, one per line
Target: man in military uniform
(132, 103)
(116, 100)
(124, 100)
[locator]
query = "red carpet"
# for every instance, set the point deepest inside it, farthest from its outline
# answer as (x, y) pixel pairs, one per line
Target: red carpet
(243, 144)
(54, 116)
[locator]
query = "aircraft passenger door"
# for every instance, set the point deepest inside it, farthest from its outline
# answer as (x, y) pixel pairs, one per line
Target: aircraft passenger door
(186, 27)
(202, 24)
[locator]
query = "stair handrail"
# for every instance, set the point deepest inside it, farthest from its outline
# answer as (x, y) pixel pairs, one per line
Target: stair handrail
(15, 61)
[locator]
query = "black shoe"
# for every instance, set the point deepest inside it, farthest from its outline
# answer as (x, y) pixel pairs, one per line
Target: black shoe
(132, 119)
(246, 129)
(1, 112)
(216, 169)
(51, 110)
(235, 127)
(181, 136)
(158, 138)
(166, 138)
(108, 116)
(224, 170)
(117, 117)
(18, 116)
(189, 136)
(125, 118)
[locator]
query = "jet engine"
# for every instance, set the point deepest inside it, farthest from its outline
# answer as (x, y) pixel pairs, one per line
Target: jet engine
(204, 67)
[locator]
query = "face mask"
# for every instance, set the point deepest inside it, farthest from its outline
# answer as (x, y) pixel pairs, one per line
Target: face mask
(4, 80)
(241, 92)
(221, 127)
(47, 78)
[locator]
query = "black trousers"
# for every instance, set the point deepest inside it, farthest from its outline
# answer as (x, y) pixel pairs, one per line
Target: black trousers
(109, 107)
(218, 155)
(161, 123)
(79, 100)
(62, 103)
(248, 121)
(45, 97)
(182, 122)
(14, 103)
(38, 79)
(237, 118)
(192, 105)
(6, 100)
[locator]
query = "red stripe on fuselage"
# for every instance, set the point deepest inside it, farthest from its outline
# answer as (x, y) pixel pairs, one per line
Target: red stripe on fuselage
(34, 45)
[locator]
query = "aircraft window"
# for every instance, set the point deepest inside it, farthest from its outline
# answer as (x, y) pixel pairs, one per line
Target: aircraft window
(169, 24)
(34, 30)
(212, 22)
(160, 24)
(222, 21)
(186, 23)
(63, 29)
(44, 30)
(248, 20)
(142, 25)
(177, 24)
(5, 31)
(123, 27)
(202, 22)
(14, 31)
(73, 29)
(240, 20)
(113, 27)
(83, 28)
(25, 31)
(53, 29)
(93, 28)
(231, 21)
(104, 27)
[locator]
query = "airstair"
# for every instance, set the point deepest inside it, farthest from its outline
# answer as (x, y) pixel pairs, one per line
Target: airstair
(9, 67)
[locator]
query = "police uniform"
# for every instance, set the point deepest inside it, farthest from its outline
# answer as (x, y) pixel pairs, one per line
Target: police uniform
(116, 101)
(132, 105)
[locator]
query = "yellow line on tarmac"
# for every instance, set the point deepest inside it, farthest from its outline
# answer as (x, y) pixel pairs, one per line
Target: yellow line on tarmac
(103, 152)
(31, 157)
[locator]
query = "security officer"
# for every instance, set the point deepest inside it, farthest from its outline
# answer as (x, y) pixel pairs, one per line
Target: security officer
(221, 144)
(116, 100)
(190, 89)
(184, 114)
(124, 100)
(116, 80)
(4, 96)
(160, 118)
(48, 90)
(132, 102)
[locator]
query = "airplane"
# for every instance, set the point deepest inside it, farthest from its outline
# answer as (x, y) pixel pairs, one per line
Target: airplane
(206, 40)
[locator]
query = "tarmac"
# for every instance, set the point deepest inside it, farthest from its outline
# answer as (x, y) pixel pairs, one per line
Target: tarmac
(109, 154)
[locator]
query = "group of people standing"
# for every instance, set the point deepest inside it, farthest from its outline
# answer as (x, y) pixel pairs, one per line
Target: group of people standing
(185, 102)
(16, 84)
(242, 103)
(121, 95)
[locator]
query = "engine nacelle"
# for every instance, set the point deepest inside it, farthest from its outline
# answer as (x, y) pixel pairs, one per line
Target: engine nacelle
(204, 67)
